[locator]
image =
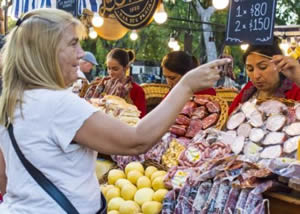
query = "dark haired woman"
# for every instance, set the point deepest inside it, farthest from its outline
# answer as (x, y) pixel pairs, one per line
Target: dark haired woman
(118, 61)
(271, 75)
(176, 64)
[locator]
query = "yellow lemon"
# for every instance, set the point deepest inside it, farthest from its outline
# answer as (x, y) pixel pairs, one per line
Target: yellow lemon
(114, 175)
(113, 212)
(121, 182)
(143, 195)
(134, 166)
(112, 193)
(158, 173)
(142, 182)
(133, 176)
(129, 207)
(158, 183)
(104, 188)
(159, 195)
(128, 192)
(150, 170)
(114, 203)
(151, 207)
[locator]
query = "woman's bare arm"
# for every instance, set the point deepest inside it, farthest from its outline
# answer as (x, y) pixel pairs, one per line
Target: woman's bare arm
(3, 178)
(110, 136)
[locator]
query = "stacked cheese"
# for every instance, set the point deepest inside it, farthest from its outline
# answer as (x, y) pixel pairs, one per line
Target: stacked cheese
(134, 190)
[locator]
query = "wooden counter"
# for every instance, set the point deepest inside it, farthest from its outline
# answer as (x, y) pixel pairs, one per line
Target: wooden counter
(284, 203)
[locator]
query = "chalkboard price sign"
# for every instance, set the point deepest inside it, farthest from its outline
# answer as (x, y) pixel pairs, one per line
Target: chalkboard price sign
(67, 5)
(250, 21)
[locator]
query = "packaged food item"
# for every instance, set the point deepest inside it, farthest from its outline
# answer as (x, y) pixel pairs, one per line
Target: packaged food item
(170, 158)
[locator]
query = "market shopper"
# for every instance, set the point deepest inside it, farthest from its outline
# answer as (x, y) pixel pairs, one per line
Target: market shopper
(86, 64)
(176, 64)
(118, 62)
(271, 75)
(58, 132)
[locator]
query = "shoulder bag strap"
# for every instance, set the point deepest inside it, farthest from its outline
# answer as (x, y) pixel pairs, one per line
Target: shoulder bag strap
(41, 179)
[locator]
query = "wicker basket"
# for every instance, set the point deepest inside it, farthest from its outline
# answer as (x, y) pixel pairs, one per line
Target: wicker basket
(224, 110)
(155, 90)
(154, 93)
(228, 94)
(287, 102)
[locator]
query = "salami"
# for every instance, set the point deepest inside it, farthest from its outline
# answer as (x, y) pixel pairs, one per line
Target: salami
(194, 127)
(202, 195)
(244, 130)
(210, 120)
(275, 122)
(184, 204)
(222, 196)
(188, 108)
(256, 135)
(238, 144)
(183, 120)
(260, 208)
(291, 144)
(169, 203)
(199, 113)
(211, 200)
(179, 130)
(213, 107)
(252, 201)
(256, 119)
(248, 107)
(274, 138)
(293, 129)
(272, 107)
(298, 112)
(201, 100)
(271, 152)
(252, 149)
(231, 200)
(241, 202)
(235, 120)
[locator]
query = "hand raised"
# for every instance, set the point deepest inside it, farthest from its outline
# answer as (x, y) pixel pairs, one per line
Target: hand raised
(288, 66)
(204, 76)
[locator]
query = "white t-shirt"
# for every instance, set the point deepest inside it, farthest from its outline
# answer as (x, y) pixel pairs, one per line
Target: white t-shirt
(44, 134)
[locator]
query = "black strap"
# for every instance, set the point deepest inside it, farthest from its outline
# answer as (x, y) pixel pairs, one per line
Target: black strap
(41, 179)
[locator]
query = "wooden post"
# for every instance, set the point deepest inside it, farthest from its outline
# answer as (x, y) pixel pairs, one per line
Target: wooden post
(7, 4)
(2, 20)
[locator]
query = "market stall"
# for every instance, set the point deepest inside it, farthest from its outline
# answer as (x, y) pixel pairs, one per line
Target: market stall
(249, 166)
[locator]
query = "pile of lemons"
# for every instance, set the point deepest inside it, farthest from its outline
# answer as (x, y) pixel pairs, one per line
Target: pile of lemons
(137, 190)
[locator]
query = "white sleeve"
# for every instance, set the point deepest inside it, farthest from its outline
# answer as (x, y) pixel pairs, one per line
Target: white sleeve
(69, 115)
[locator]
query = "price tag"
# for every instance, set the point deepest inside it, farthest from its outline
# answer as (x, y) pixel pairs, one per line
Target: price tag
(251, 22)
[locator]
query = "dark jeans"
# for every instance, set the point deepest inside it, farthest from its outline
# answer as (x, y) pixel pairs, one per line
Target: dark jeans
(103, 206)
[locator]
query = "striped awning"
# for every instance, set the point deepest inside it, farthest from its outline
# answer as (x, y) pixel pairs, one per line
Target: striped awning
(22, 6)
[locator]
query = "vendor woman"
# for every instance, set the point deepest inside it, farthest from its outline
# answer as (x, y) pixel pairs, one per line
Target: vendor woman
(176, 64)
(118, 61)
(271, 75)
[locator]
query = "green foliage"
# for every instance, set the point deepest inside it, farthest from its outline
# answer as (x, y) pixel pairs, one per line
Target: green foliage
(152, 43)
(288, 12)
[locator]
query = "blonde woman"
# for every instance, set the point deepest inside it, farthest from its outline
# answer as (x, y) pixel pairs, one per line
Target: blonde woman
(59, 133)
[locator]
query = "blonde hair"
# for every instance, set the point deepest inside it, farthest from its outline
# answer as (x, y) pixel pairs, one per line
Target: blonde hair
(30, 56)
